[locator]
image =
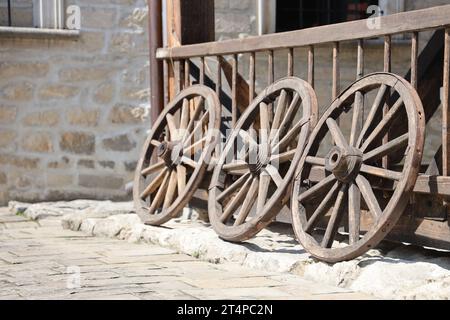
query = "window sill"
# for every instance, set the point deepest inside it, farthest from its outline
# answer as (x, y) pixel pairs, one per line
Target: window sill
(17, 32)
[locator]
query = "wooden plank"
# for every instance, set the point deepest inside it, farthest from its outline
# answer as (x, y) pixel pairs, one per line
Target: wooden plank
(387, 53)
(252, 78)
(290, 71)
(446, 107)
(311, 65)
(414, 59)
(419, 20)
(234, 91)
(270, 68)
(336, 72)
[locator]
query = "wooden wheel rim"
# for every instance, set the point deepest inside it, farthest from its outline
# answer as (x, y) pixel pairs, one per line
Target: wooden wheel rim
(399, 198)
(210, 105)
(248, 229)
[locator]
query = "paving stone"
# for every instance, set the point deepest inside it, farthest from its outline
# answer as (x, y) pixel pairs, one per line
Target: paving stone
(34, 265)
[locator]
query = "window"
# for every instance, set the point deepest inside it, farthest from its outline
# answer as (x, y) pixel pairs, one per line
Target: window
(300, 14)
(48, 14)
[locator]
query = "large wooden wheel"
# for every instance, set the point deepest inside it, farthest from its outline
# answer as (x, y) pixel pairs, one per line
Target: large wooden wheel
(358, 181)
(251, 179)
(176, 155)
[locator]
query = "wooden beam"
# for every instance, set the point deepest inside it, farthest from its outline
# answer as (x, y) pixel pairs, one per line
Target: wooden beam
(419, 20)
(188, 22)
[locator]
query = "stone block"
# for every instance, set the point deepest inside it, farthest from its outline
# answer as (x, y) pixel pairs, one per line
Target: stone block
(104, 93)
(83, 117)
(83, 163)
(77, 142)
(7, 114)
(58, 91)
(7, 138)
(47, 118)
(19, 92)
(119, 143)
(90, 73)
(11, 69)
(100, 181)
(122, 113)
(37, 142)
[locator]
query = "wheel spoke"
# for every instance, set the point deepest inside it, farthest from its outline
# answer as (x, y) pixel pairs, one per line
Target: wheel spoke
(387, 148)
(247, 138)
(354, 213)
(315, 161)
(155, 143)
(198, 126)
(290, 114)
(293, 133)
(154, 184)
(369, 197)
(192, 148)
(181, 178)
(379, 101)
(153, 168)
(317, 189)
(172, 127)
(381, 172)
(265, 123)
(184, 120)
(231, 189)
(159, 197)
(248, 203)
(171, 189)
(358, 109)
(194, 115)
(283, 157)
(323, 208)
(273, 172)
(335, 219)
(236, 201)
(264, 183)
(281, 106)
(336, 134)
(237, 165)
(382, 128)
(191, 163)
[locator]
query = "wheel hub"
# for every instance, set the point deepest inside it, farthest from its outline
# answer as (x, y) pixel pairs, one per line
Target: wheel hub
(259, 157)
(345, 164)
(170, 153)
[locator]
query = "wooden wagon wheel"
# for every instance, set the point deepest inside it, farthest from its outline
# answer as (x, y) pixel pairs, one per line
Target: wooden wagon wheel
(360, 179)
(250, 182)
(176, 155)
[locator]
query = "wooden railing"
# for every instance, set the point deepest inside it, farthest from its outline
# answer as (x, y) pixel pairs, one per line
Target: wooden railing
(243, 91)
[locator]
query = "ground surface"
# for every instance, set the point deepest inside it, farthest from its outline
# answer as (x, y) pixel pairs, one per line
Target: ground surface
(41, 260)
(185, 258)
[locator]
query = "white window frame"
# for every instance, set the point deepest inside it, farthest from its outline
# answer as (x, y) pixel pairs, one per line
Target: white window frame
(267, 13)
(49, 14)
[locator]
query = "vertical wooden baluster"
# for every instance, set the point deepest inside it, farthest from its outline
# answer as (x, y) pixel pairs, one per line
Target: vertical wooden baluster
(446, 108)
(311, 65)
(251, 77)
(167, 83)
(336, 71)
(358, 113)
(187, 71)
(387, 54)
(219, 77)
(270, 68)
(291, 62)
(387, 68)
(234, 91)
(270, 78)
(414, 58)
(180, 75)
(202, 70)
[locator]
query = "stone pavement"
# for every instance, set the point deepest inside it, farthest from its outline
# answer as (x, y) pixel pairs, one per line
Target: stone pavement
(40, 260)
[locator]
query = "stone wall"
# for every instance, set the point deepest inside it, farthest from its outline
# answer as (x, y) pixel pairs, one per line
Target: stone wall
(73, 113)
